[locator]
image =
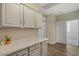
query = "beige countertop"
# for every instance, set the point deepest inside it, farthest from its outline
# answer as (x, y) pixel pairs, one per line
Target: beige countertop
(19, 44)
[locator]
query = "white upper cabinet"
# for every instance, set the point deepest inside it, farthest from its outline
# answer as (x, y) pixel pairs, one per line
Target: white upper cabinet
(12, 14)
(18, 15)
(29, 17)
(39, 19)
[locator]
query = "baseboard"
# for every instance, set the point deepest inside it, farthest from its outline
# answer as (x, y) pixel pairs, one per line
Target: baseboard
(61, 42)
(51, 42)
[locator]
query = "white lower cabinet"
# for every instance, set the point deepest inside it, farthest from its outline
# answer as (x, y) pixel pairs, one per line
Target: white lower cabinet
(36, 52)
(44, 48)
(33, 47)
(23, 52)
(39, 49)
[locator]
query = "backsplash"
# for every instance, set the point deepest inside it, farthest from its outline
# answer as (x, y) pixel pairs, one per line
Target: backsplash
(18, 33)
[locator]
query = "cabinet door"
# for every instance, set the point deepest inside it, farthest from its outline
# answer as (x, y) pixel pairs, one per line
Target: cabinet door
(23, 52)
(33, 47)
(12, 14)
(29, 17)
(36, 52)
(38, 20)
(44, 48)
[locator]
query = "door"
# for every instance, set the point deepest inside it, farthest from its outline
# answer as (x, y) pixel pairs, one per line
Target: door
(29, 17)
(72, 32)
(61, 32)
(12, 14)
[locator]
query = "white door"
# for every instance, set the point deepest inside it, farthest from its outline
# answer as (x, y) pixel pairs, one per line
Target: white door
(61, 32)
(12, 14)
(29, 17)
(72, 32)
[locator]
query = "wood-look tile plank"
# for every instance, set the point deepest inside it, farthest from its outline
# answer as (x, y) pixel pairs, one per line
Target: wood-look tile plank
(59, 49)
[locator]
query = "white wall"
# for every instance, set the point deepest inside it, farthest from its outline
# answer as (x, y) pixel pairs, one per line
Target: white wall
(17, 33)
(42, 30)
(68, 16)
(51, 28)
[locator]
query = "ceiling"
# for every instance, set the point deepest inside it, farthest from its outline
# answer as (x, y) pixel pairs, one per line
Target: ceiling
(45, 5)
(39, 6)
(61, 8)
(54, 8)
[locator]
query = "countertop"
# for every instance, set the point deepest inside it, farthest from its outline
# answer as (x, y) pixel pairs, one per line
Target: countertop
(19, 44)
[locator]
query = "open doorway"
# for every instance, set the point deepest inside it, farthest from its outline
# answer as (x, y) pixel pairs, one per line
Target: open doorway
(67, 32)
(72, 32)
(67, 42)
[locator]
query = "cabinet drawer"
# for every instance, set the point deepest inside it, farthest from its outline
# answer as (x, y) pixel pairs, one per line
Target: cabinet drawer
(22, 52)
(36, 52)
(33, 47)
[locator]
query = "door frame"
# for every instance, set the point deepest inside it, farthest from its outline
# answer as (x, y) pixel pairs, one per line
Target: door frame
(57, 31)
